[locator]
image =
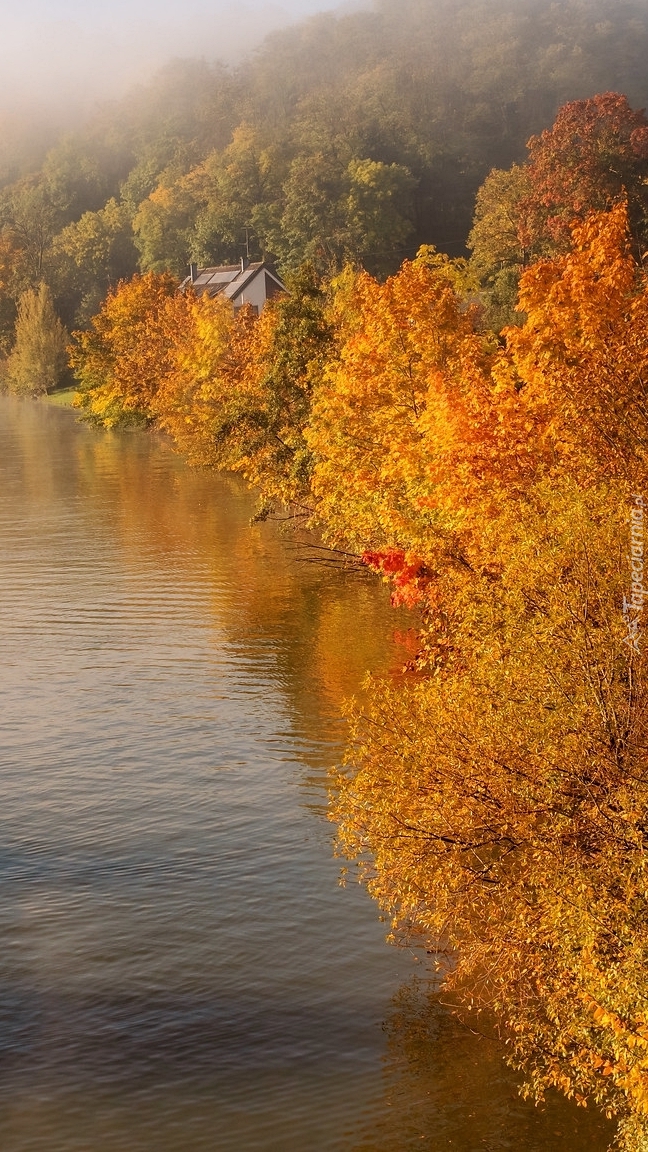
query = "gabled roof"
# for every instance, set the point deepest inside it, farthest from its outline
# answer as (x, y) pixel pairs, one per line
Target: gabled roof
(231, 280)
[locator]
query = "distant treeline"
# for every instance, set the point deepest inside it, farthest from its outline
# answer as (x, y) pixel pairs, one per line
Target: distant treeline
(350, 138)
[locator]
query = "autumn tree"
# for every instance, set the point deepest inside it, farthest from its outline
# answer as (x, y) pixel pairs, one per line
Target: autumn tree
(497, 800)
(594, 156)
(409, 379)
(39, 354)
(240, 392)
(596, 152)
(498, 807)
(209, 356)
(579, 362)
(121, 360)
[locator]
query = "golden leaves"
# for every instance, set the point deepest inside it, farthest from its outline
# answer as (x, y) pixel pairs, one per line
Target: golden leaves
(121, 359)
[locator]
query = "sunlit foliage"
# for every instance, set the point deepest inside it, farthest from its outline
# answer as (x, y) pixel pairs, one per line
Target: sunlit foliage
(499, 805)
(121, 359)
(594, 156)
(404, 346)
(596, 151)
(232, 390)
(38, 358)
(497, 798)
(580, 359)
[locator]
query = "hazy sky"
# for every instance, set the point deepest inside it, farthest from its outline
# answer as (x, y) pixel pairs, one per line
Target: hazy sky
(62, 50)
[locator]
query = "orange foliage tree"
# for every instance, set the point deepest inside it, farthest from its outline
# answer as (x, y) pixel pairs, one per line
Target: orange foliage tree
(595, 152)
(501, 796)
(502, 801)
(121, 359)
(422, 430)
(402, 394)
(419, 431)
(232, 390)
(210, 355)
(582, 355)
(240, 395)
(594, 156)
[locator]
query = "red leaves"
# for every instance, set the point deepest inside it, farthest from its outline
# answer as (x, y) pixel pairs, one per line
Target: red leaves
(409, 575)
(596, 152)
(639, 142)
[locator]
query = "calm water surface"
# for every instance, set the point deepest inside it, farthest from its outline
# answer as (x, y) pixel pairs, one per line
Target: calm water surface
(179, 969)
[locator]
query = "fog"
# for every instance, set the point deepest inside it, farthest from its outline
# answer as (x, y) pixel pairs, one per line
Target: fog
(67, 54)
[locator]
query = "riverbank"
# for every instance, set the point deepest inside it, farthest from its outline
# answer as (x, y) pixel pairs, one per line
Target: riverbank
(62, 398)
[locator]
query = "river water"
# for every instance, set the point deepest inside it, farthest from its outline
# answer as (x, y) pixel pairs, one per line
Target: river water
(179, 969)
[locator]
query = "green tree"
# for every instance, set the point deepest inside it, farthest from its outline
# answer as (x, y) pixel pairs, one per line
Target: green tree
(312, 223)
(236, 193)
(378, 213)
(162, 227)
(92, 254)
(498, 254)
(32, 221)
(75, 180)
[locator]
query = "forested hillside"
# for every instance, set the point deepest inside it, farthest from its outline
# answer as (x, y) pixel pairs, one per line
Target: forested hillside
(357, 137)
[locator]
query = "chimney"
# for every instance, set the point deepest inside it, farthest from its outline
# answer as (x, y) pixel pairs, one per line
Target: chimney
(193, 273)
(245, 263)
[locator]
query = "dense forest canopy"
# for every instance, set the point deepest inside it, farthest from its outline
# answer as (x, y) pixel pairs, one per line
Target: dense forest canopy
(355, 136)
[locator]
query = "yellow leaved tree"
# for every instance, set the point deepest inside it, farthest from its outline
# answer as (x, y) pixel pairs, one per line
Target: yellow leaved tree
(496, 800)
(498, 806)
(120, 361)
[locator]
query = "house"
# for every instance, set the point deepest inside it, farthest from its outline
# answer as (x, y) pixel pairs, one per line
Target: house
(243, 283)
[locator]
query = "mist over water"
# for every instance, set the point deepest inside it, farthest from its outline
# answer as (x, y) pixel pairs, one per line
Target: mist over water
(63, 56)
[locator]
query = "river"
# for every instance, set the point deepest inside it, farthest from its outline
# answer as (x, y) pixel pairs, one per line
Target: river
(180, 970)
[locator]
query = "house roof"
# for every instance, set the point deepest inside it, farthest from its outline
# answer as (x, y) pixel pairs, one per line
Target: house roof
(230, 280)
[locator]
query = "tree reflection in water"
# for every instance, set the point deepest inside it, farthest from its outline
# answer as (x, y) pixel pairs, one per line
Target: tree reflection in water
(447, 1087)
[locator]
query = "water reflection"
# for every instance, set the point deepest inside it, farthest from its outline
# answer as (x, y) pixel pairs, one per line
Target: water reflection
(446, 1086)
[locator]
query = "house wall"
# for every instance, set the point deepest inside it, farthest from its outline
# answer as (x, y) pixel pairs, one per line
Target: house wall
(253, 294)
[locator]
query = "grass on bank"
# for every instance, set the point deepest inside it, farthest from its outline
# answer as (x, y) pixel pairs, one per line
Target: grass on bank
(62, 397)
